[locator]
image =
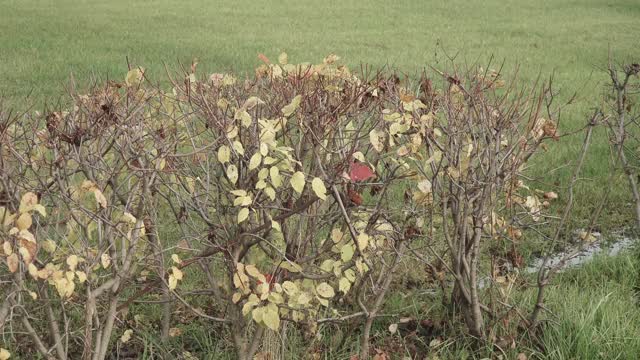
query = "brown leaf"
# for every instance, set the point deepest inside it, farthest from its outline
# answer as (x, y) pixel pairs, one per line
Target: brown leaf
(550, 129)
(380, 355)
(12, 262)
(355, 197)
(32, 248)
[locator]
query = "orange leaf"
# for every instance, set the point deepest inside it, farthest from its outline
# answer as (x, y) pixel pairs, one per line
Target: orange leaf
(264, 58)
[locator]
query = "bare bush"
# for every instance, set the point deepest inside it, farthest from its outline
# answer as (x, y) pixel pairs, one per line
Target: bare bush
(296, 194)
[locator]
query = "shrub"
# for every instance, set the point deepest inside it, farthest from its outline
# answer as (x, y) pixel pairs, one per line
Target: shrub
(296, 193)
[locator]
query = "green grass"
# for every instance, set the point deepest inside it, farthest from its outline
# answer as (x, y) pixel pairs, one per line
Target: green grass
(42, 42)
(602, 320)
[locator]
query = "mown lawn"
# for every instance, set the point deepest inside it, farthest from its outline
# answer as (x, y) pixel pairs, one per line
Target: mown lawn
(43, 42)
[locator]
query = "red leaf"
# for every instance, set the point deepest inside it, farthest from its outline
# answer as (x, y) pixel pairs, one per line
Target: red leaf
(360, 172)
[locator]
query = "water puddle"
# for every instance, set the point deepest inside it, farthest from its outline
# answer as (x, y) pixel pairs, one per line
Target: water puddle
(576, 256)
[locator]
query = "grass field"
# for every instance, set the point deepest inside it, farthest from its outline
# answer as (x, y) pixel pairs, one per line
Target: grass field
(43, 42)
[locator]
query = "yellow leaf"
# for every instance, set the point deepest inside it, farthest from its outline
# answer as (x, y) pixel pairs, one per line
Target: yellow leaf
(173, 282)
(87, 185)
(257, 313)
(318, 187)
(264, 149)
(82, 276)
(65, 287)
(24, 221)
(232, 131)
(274, 173)
(27, 202)
(126, 336)
(237, 147)
(263, 290)
(176, 259)
(72, 261)
(252, 102)
(363, 241)
(291, 266)
(33, 271)
(263, 173)
(100, 199)
(275, 298)
(325, 290)
(361, 266)
(232, 173)
(283, 59)
(292, 107)
(224, 154)
(128, 218)
(49, 246)
(177, 273)
(358, 155)
(290, 287)
(270, 192)
(297, 182)
(6, 248)
(238, 192)
(324, 302)
(246, 308)
(255, 273)
(303, 298)
(346, 252)
(236, 297)
(39, 208)
(243, 214)
(4, 354)
(26, 254)
(255, 161)
(26, 235)
(270, 317)
(134, 77)
(336, 235)
(376, 137)
(105, 260)
(344, 285)
(425, 186)
(244, 117)
(243, 201)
